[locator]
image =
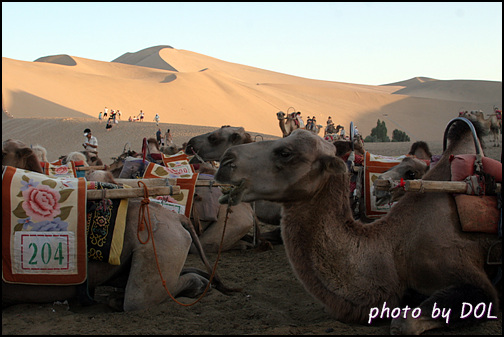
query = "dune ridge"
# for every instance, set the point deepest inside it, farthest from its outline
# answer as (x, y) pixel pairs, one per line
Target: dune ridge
(188, 88)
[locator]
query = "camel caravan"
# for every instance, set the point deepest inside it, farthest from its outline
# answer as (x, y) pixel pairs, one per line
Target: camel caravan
(317, 191)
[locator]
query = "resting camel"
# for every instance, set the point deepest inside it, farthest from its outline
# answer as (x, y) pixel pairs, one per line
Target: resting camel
(89, 158)
(412, 167)
(417, 249)
(75, 156)
(491, 124)
(16, 153)
(287, 123)
(239, 222)
(212, 145)
(409, 168)
(137, 272)
(40, 152)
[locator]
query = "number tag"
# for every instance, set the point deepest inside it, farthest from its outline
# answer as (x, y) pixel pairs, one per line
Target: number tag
(47, 252)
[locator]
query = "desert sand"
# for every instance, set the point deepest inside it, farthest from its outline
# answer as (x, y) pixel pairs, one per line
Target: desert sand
(185, 87)
(51, 102)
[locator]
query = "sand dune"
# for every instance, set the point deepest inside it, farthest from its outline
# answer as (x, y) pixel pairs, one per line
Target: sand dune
(185, 87)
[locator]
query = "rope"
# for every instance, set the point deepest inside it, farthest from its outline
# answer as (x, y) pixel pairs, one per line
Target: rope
(143, 222)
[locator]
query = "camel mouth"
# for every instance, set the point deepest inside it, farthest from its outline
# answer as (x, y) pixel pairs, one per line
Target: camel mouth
(382, 197)
(233, 195)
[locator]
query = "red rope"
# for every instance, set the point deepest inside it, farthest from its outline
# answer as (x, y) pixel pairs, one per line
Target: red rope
(145, 222)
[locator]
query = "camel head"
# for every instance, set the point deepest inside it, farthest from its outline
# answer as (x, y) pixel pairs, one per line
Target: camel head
(409, 168)
(421, 150)
(284, 170)
(211, 145)
(280, 115)
(17, 154)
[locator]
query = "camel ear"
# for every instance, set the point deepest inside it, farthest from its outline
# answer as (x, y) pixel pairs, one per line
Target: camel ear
(235, 138)
(333, 164)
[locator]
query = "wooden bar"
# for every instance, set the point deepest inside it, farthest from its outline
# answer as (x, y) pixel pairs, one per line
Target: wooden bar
(89, 168)
(383, 184)
(132, 192)
(419, 185)
(440, 186)
(212, 183)
(166, 182)
(148, 182)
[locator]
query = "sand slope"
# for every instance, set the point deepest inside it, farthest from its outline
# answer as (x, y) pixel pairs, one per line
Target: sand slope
(185, 87)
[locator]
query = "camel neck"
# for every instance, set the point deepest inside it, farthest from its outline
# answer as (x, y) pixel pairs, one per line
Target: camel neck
(322, 233)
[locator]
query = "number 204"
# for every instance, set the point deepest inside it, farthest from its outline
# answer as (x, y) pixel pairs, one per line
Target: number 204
(44, 254)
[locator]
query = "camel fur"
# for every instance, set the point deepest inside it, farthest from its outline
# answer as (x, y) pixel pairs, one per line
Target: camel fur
(351, 267)
(40, 152)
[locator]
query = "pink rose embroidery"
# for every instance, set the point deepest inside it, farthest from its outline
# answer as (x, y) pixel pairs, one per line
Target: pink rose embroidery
(41, 203)
(61, 169)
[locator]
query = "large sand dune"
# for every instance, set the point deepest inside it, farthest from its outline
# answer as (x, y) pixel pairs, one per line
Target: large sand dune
(184, 87)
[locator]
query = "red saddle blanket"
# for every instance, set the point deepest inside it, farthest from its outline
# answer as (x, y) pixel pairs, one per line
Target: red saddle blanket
(477, 213)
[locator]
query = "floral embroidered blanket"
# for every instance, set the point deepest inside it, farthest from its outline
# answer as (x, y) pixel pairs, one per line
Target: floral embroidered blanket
(176, 166)
(58, 170)
(374, 165)
(43, 228)
(106, 222)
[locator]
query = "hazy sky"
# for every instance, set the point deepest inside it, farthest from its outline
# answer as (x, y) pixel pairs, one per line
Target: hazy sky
(362, 43)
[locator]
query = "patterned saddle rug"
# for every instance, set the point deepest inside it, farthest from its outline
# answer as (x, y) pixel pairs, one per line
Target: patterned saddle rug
(106, 223)
(43, 228)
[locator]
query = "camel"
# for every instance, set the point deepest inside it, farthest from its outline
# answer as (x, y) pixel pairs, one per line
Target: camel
(491, 124)
(409, 168)
(212, 145)
(315, 128)
(16, 153)
(331, 129)
(40, 152)
(345, 146)
(74, 156)
(239, 222)
(90, 158)
(420, 150)
(416, 252)
(137, 272)
(287, 123)
(412, 167)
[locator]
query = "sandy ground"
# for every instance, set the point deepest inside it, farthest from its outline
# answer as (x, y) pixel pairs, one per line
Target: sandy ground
(272, 300)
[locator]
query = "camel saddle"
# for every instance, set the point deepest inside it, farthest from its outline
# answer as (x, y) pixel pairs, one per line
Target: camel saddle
(478, 212)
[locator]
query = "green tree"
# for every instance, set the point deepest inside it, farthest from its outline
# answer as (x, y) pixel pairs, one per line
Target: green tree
(400, 136)
(378, 134)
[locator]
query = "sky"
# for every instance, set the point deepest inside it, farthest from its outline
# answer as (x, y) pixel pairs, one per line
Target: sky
(355, 42)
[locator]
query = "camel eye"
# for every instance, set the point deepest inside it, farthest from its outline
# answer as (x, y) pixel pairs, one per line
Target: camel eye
(213, 139)
(410, 175)
(283, 153)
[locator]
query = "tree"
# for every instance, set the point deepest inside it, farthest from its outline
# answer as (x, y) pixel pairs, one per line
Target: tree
(400, 136)
(378, 134)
